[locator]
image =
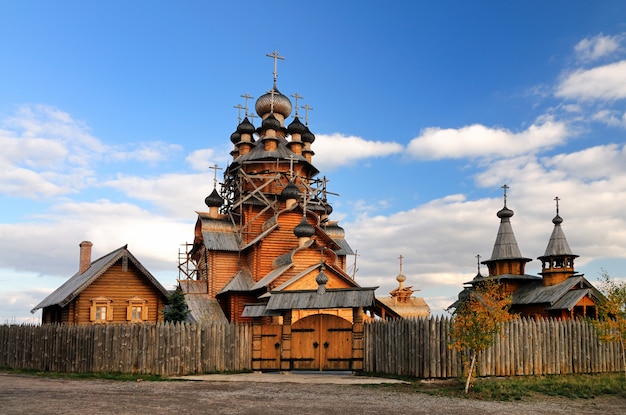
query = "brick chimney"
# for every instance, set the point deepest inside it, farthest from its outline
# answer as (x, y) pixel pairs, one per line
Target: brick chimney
(85, 256)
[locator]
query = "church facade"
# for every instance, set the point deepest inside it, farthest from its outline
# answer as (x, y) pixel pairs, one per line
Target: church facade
(559, 291)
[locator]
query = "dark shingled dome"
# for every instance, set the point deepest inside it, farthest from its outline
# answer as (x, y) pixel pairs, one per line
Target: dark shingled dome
(214, 199)
(246, 127)
(290, 191)
(296, 127)
(304, 229)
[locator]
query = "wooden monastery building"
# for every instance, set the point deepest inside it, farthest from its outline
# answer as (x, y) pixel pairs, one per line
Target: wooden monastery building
(115, 288)
(267, 251)
(559, 292)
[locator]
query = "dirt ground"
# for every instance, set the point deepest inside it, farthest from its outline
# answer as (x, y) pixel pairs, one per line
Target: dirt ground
(23, 394)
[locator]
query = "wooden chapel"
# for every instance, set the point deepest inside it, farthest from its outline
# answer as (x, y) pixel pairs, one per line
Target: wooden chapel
(268, 253)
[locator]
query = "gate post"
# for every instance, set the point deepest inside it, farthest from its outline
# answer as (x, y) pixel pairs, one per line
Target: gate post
(285, 342)
(257, 338)
(357, 338)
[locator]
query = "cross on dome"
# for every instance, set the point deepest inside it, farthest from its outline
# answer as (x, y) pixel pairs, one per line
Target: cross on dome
(276, 57)
(505, 187)
(215, 168)
(306, 113)
(239, 107)
(297, 96)
(246, 97)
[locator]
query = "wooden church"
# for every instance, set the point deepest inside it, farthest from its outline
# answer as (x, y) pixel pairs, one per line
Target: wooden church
(560, 292)
(267, 251)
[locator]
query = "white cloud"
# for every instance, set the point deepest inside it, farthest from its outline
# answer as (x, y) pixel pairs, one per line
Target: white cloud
(150, 152)
(48, 244)
(479, 141)
(606, 82)
(590, 49)
(612, 118)
(204, 159)
(176, 195)
(333, 150)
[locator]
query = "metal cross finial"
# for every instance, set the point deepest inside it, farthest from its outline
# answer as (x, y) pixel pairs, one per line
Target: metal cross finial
(306, 113)
(400, 258)
(557, 204)
(252, 117)
(276, 58)
(505, 187)
(215, 168)
(239, 107)
(297, 97)
(291, 157)
(246, 97)
(478, 262)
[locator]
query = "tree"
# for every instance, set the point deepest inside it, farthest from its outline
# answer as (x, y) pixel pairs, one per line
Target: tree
(611, 322)
(478, 319)
(177, 310)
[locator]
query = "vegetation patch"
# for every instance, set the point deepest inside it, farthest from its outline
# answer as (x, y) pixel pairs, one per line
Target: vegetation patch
(519, 388)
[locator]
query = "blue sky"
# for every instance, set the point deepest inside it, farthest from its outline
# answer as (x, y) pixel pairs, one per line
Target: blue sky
(112, 112)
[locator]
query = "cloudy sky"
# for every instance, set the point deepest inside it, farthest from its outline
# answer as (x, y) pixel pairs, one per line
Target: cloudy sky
(111, 114)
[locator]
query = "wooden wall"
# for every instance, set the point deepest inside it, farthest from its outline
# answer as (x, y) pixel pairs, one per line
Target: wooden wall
(118, 286)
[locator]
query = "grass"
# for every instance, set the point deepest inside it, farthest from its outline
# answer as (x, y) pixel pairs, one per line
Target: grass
(524, 387)
(123, 377)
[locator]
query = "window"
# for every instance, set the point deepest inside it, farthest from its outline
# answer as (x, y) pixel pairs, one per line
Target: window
(137, 310)
(101, 310)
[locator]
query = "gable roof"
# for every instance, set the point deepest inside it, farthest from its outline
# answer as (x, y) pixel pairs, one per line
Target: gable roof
(559, 296)
(67, 292)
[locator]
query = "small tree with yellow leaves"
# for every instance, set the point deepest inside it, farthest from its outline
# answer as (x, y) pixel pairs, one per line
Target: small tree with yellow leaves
(479, 319)
(611, 322)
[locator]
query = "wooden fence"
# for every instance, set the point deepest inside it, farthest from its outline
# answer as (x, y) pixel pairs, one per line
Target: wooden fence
(420, 348)
(163, 349)
(411, 347)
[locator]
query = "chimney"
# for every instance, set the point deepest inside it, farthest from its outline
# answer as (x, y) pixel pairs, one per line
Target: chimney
(85, 256)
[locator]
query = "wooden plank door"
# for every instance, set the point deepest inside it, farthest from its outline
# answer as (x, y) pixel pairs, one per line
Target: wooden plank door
(270, 346)
(321, 342)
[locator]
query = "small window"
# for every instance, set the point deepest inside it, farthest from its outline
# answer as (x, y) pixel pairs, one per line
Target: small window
(137, 310)
(101, 310)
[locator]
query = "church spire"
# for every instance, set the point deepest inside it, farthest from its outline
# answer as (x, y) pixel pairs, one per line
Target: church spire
(558, 260)
(506, 257)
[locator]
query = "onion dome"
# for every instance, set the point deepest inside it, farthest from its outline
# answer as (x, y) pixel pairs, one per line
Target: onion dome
(401, 278)
(304, 229)
(328, 209)
(557, 220)
(214, 199)
(505, 213)
(273, 101)
(235, 137)
(296, 127)
(271, 123)
(290, 191)
(321, 280)
(308, 136)
(246, 127)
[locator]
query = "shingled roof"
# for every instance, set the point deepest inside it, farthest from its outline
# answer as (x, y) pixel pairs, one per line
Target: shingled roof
(63, 295)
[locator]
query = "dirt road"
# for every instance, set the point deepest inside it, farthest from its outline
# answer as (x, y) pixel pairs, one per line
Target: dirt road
(22, 394)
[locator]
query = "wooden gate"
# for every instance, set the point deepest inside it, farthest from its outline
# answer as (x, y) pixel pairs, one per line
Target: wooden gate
(270, 347)
(321, 342)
